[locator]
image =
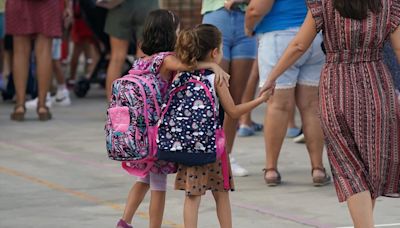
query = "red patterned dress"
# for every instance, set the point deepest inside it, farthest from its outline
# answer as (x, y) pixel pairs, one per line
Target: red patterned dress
(29, 17)
(359, 112)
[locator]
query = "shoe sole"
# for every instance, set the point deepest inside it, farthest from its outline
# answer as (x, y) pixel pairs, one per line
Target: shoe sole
(273, 184)
(245, 135)
(321, 183)
(18, 118)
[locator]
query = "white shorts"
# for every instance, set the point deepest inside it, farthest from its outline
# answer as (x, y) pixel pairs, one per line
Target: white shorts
(306, 71)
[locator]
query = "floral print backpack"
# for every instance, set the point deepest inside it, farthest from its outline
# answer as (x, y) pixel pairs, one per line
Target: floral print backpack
(132, 117)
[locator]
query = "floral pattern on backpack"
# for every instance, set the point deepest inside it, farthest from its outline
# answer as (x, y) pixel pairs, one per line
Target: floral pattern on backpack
(132, 117)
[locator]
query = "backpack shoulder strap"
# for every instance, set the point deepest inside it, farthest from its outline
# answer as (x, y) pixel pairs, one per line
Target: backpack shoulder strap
(137, 79)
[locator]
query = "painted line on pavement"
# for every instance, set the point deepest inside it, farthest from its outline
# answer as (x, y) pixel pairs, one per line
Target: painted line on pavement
(55, 152)
(81, 195)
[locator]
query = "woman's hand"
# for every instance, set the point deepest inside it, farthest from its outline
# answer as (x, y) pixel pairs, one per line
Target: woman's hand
(268, 86)
(221, 76)
(68, 15)
(248, 32)
(228, 4)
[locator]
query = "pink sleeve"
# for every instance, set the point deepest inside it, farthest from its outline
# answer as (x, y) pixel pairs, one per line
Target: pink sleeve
(158, 60)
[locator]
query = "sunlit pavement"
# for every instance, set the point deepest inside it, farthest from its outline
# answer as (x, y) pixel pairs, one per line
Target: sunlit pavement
(57, 174)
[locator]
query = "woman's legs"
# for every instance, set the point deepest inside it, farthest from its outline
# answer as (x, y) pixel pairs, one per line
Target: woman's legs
(43, 45)
(94, 55)
(239, 71)
(76, 52)
(135, 198)
(249, 93)
(361, 210)
(191, 211)
(119, 50)
(292, 118)
(20, 66)
(277, 114)
(223, 209)
(156, 211)
(307, 101)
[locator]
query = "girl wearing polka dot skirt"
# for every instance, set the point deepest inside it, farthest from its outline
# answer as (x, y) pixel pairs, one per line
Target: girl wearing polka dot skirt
(159, 35)
(203, 43)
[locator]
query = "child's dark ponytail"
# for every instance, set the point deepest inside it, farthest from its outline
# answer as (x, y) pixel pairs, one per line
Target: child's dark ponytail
(193, 45)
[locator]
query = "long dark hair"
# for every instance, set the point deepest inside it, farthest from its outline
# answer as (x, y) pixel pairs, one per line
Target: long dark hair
(159, 32)
(357, 9)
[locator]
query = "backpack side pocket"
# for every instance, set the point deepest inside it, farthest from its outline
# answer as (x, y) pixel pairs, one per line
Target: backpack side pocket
(120, 118)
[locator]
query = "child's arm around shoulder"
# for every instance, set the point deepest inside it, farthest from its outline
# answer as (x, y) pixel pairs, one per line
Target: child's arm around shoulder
(233, 110)
(172, 63)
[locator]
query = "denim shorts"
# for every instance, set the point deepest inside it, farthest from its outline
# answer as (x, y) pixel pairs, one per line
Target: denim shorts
(127, 19)
(236, 45)
(306, 71)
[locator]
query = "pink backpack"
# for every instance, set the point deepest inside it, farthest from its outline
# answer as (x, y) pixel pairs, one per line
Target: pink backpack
(132, 117)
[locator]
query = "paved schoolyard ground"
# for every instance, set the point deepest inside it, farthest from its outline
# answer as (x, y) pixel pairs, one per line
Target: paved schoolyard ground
(57, 174)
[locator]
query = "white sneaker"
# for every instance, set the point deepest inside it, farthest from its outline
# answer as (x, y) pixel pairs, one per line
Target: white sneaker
(32, 104)
(237, 170)
(299, 139)
(62, 98)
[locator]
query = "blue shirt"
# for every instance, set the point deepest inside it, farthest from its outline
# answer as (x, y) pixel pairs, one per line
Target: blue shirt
(283, 15)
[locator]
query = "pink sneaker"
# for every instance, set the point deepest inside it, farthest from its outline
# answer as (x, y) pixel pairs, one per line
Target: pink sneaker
(122, 224)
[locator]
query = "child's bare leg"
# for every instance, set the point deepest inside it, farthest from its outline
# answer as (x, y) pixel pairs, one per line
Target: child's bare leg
(135, 198)
(191, 211)
(223, 209)
(156, 210)
(77, 51)
(58, 72)
(94, 56)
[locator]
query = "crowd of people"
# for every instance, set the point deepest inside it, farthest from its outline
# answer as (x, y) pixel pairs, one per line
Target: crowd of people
(304, 55)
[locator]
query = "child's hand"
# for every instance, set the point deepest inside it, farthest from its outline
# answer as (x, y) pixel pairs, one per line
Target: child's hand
(268, 85)
(266, 95)
(220, 75)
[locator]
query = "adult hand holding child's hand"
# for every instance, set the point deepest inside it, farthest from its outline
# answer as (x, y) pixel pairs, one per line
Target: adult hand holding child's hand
(268, 86)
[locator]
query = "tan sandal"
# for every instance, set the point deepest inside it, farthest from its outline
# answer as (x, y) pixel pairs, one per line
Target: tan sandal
(320, 181)
(275, 181)
(18, 116)
(44, 116)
